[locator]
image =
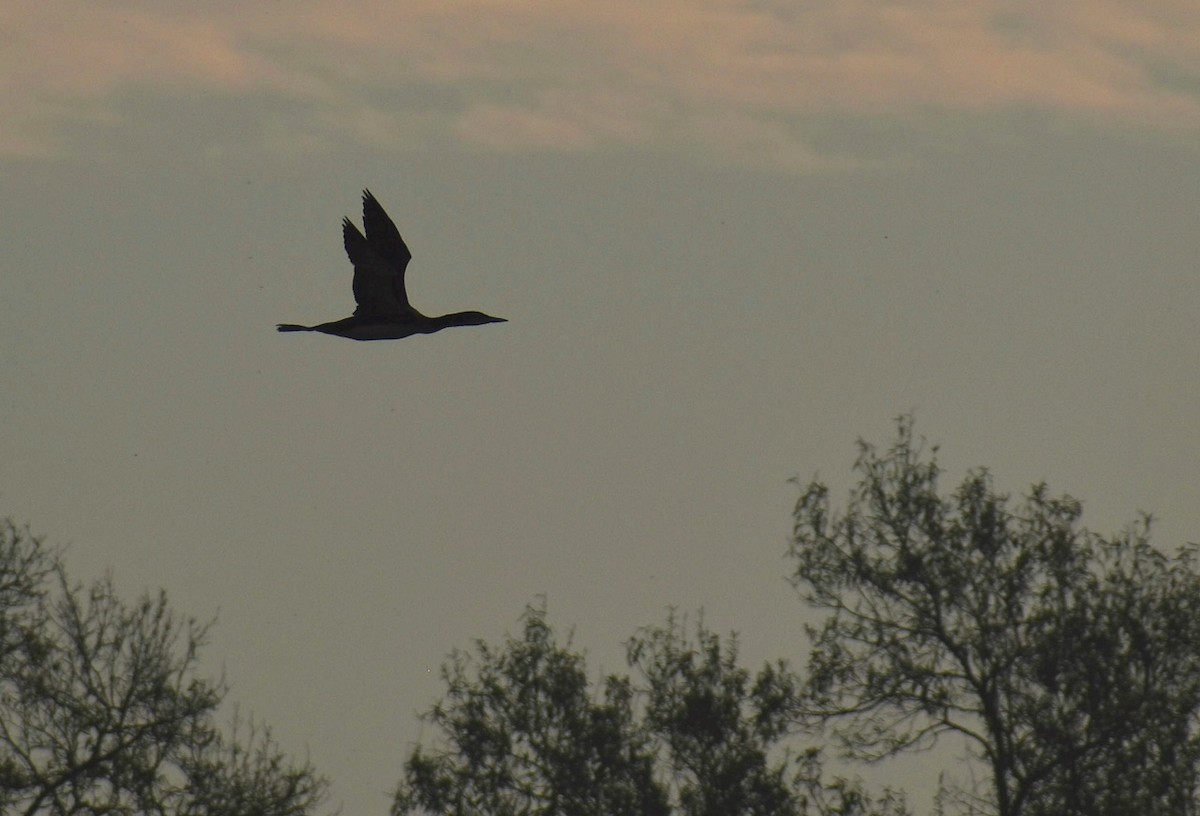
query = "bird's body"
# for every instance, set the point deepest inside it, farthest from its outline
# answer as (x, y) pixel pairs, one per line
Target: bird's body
(380, 258)
(392, 327)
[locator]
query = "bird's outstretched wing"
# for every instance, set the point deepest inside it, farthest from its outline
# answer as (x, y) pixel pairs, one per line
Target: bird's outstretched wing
(382, 234)
(378, 283)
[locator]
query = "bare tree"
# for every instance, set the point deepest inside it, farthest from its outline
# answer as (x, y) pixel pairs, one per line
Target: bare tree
(101, 710)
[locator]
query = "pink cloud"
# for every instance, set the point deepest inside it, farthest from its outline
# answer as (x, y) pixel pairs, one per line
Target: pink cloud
(569, 75)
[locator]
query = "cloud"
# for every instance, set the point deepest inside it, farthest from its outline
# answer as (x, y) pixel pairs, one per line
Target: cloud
(725, 75)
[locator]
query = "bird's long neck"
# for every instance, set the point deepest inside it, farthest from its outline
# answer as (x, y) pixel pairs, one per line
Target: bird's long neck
(454, 319)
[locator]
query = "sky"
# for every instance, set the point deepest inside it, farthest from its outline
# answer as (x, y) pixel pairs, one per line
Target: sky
(730, 237)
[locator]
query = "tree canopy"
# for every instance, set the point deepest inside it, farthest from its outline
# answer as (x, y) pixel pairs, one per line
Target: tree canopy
(101, 710)
(522, 730)
(1069, 661)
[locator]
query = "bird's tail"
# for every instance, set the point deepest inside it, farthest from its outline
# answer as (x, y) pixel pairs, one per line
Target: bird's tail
(287, 327)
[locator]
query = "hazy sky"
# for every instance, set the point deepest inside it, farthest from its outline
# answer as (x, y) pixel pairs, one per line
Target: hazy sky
(730, 238)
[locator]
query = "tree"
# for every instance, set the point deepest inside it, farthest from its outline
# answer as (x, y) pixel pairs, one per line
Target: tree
(722, 732)
(1068, 661)
(523, 731)
(101, 710)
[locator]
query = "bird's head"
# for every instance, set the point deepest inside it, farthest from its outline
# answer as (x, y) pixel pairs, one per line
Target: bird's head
(473, 319)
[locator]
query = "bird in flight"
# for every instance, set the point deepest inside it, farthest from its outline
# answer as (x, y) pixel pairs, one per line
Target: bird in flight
(384, 313)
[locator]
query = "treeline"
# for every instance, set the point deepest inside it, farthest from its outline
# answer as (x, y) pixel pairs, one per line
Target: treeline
(1067, 661)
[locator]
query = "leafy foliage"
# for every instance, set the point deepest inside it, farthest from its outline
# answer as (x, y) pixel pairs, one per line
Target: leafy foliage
(525, 732)
(1069, 661)
(524, 736)
(101, 712)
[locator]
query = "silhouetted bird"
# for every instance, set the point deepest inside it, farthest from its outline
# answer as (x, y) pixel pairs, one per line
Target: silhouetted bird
(383, 312)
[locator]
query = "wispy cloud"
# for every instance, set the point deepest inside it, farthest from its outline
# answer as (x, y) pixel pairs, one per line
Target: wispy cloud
(738, 76)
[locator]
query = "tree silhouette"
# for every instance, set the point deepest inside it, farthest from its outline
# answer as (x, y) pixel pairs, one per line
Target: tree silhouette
(1068, 661)
(523, 731)
(101, 711)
